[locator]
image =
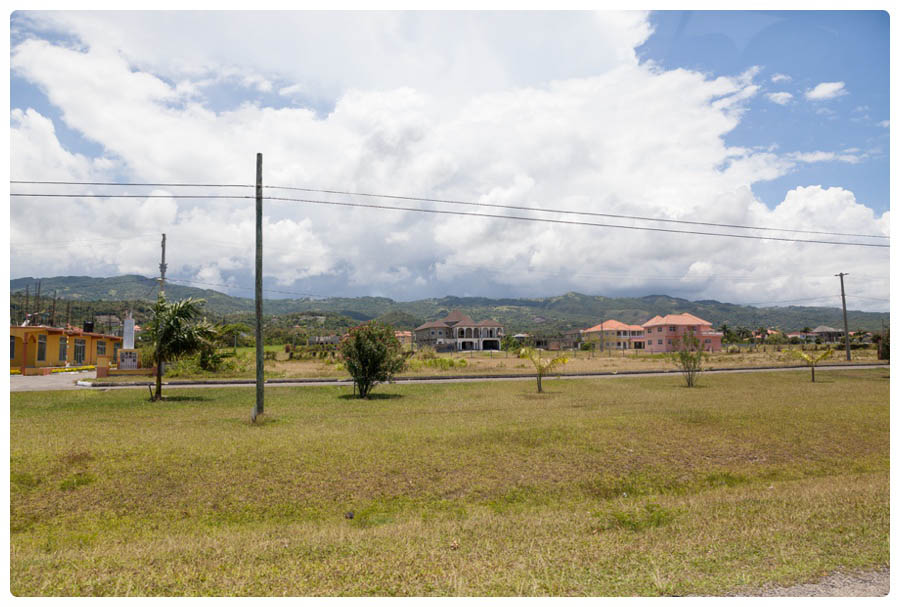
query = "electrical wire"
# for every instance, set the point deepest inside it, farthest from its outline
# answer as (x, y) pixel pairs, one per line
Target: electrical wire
(570, 212)
(21, 194)
(570, 222)
(456, 202)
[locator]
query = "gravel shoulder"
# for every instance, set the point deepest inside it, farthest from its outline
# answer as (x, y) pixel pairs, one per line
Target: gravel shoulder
(862, 583)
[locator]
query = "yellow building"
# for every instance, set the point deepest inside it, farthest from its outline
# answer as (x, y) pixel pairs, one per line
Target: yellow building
(39, 347)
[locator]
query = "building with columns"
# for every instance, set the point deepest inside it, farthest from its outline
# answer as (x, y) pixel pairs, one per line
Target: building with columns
(460, 333)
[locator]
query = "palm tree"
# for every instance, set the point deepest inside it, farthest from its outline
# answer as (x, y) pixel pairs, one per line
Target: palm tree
(725, 329)
(811, 360)
(542, 366)
(173, 333)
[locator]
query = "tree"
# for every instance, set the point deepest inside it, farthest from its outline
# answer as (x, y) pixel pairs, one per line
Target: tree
(811, 359)
(232, 331)
(542, 366)
(689, 359)
(372, 355)
(727, 334)
(174, 332)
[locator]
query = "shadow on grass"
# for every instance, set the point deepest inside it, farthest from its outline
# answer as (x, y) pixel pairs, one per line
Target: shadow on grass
(178, 399)
(371, 396)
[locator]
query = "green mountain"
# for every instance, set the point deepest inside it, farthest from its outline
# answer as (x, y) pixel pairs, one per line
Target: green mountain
(545, 315)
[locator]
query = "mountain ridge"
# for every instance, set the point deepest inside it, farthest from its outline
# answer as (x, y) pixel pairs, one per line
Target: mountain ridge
(571, 310)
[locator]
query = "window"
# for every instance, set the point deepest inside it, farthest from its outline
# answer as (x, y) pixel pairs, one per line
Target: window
(708, 340)
(63, 348)
(101, 348)
(671, 329)
(659, 342)
(12, 347)
(669, 341)
(659, 330)
(116, 352)
(42, 347)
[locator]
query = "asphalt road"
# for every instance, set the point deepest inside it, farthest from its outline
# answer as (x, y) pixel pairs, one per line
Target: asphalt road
(66, 381)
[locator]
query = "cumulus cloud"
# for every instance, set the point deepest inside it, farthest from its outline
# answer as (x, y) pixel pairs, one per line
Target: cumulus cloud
(826, 90)
(625, 138)
(780, 98)
(780, 78)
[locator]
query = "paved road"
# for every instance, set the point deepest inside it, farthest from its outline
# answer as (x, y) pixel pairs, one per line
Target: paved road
(66, 381)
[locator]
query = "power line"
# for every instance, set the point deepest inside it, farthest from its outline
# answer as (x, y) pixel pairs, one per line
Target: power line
(436, 200)
(570, 212)
(570, 222)
(20, 194)
(159, 185)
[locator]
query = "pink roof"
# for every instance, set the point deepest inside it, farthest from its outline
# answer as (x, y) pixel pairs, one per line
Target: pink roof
(676, 319)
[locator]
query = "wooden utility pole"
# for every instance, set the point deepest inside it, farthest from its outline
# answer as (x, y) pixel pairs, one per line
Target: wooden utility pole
(260, 365)
(844, 302)
(68, 310)
(25, 309)
(162, 269)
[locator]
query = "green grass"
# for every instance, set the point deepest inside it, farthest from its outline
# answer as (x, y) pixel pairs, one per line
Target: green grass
(633, 486)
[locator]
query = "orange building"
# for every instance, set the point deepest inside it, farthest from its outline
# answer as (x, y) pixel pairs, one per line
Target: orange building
(34, 348)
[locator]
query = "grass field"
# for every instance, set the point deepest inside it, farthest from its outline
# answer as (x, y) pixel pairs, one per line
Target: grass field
(489, 363)
(629, 486)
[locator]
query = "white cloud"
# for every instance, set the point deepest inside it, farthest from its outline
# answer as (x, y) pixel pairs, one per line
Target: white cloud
(826, 90)
(780, 78)
(884, 123)
(627, 139)
(850, 156)
(781, 98)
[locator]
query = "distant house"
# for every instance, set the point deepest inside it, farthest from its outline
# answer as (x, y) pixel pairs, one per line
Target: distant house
(324, 340)
(404, 337)
(665, 333)
(828, 334)
(612, 334)
(460, 333)
(804, 337)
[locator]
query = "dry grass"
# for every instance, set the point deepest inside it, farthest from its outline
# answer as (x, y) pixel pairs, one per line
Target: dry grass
(632, 487)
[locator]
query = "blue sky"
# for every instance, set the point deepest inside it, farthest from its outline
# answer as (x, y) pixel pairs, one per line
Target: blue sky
(810, 47)
(761, 118)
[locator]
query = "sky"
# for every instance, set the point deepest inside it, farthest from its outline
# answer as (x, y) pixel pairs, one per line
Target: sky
(746, 118)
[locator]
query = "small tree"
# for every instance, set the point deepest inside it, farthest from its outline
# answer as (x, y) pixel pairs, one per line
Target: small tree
(542, 366)
(372, 354)
(173, 332)
(811, 360)
(689, 359)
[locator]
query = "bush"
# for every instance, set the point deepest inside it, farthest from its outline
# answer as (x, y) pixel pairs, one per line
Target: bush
(372, 354)
(689, 359)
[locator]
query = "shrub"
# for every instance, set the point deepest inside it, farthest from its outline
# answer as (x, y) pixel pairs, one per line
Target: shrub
(372, 354)
(689, 359)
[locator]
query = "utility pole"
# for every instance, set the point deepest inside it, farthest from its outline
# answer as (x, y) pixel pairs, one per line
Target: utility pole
(844, 302)
(258, 410)
(25, 309)
(53, 310)
(68, 310)
(38, 302)
(162, 269)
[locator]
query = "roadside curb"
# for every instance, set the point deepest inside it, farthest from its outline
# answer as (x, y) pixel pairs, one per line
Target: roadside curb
(398, 380)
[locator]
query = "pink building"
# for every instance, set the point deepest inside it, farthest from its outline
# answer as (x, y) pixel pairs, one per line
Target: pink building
(612, 334)
(665, 333)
